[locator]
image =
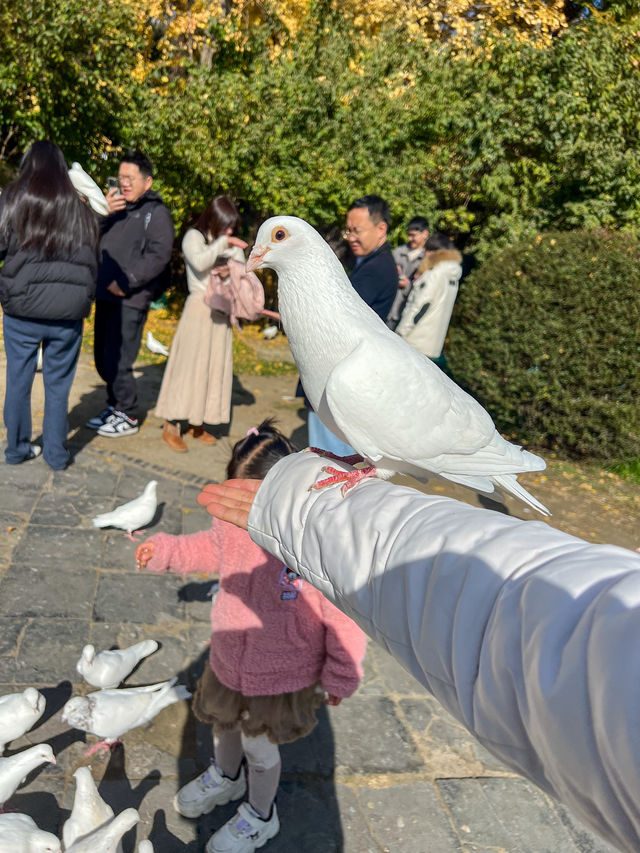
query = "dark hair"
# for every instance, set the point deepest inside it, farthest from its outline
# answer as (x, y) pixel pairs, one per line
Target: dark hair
(133, 155)
(377, 207)
(418, 223)
(438, 241)
(220, 214)
(254, 455)
(42, 209)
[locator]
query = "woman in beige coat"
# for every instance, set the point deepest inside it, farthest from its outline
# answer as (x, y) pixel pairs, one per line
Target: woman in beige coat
(196, 386)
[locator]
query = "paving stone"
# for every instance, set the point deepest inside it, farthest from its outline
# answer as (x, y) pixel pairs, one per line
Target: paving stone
(168, 519)
(19, 501)
(56, 547)
(356, 833)
(10, 628)
(197, 595)
(89, 475)
(72, 511)
(118, 551)
(584, 839)
(50, 649)
(47, 591)
(394, 677)
(408, 818)
(30, 477)
(144, 599)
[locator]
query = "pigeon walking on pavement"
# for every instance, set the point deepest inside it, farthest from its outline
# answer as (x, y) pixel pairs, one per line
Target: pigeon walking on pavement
(15, 769)
(89, 810)
(106, 838)
(110, 668)
(391, 403)
(20, 834)
(155, 346)
(19, 712)
(111, 713)
(133, 515)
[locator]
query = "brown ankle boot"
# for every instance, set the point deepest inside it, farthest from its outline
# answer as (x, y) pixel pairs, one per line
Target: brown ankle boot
(201, 434)
(171, 436)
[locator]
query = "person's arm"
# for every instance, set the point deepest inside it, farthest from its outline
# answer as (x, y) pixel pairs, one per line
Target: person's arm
(158, 244)
(199, 254)
(345, 646)
(527, 635)
(187, 554)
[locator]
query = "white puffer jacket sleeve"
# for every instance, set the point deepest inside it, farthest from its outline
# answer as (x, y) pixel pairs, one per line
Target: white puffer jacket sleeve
(529, 636)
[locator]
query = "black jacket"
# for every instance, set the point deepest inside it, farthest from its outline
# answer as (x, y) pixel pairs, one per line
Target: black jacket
(375, 279)
(57, 289)
(136, 246)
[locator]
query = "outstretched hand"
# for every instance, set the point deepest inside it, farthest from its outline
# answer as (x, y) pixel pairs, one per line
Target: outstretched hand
(143, 554)
(230, 501)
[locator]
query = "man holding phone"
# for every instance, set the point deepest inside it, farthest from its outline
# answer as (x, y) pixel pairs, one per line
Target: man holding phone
(136, 243)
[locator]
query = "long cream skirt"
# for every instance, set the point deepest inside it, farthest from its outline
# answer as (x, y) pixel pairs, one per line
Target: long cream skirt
(197, 381)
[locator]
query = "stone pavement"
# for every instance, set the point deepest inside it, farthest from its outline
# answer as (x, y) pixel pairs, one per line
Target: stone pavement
(387, 770)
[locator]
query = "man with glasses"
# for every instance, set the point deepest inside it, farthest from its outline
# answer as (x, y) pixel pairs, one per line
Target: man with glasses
(136, 243)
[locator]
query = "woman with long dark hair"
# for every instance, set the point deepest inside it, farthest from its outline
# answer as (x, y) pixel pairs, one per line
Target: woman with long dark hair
(196, 386)
(48, 240)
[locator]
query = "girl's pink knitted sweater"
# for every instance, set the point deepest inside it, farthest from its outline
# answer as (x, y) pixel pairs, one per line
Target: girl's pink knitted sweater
(271, 634)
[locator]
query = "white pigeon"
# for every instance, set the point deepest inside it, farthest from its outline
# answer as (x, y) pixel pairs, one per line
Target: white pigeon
(110, 713)
(19, 834)
(145, 847)
(86, 186)
(133, 515)
(89, 810)
(155, 346)
(18, 713)
(269, 332)
(110, 668)
(15, 769)
(390, 402)
(106, 839)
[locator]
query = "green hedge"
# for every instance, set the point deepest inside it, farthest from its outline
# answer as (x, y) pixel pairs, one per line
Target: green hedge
(547, 336)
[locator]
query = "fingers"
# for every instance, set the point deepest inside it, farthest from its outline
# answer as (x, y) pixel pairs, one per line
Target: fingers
(231, 501)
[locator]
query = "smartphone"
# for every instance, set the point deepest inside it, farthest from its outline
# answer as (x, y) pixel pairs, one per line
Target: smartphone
(112, 183)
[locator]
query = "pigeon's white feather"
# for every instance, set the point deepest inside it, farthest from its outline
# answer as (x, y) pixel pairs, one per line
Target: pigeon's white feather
(18, 713)
(155, 346)
(87, 187)
(15, 769)
(89, 809)
(110, 713)
(110, 668)
(145, 847)
(106, 838)
(19, 834)
(134, 514)
(369, 386)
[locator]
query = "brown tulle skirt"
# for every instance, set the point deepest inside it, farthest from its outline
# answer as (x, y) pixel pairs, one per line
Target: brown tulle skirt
(283, 718)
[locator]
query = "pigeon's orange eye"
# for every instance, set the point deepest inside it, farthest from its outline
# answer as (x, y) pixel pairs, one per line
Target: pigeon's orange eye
(279, 234)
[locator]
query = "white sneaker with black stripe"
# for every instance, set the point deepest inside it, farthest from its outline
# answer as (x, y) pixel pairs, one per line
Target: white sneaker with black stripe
(245, 832)
(118, 424)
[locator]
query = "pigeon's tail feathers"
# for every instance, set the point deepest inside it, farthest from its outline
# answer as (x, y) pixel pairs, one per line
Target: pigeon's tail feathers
(145, 847)
(479, 484)
(509, 483)
(103, 520)
(144, 648)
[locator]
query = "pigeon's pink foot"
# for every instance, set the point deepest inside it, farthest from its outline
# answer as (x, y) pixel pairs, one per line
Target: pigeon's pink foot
(348, 460)
(348, 478)
(103, 746)
(132, 536)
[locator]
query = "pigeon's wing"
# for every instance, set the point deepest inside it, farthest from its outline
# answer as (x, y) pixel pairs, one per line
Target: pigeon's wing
(113, 714)
(392, 402)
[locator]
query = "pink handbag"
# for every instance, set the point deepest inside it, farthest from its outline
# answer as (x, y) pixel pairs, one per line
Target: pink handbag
(240, 296)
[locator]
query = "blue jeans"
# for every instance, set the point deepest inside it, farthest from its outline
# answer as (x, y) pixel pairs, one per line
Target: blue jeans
(60, 350)
(324, 439)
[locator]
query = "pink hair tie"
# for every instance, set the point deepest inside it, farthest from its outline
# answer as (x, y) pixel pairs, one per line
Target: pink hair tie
(252, 431)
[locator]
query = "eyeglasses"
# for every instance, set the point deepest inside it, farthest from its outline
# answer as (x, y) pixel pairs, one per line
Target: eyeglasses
(353, 232)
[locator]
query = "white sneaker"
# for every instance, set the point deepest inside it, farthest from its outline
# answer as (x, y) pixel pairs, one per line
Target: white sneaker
(118, 424)
(245, 832)
(208, 790)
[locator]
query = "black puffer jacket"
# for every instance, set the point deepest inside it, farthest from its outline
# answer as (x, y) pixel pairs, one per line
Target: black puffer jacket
(37, 289)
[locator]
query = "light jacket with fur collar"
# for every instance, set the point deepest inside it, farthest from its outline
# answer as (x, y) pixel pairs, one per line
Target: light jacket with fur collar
(425, 318)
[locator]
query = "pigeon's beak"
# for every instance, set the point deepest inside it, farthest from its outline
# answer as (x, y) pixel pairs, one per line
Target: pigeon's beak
(256, 257)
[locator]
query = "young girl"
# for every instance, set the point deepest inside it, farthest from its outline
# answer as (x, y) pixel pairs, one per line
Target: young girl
(279, 650)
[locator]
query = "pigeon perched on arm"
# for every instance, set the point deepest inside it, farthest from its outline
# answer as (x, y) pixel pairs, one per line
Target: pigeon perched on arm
(18, 713)
(376, 392)
(155, 346)
(133, 515)
(15, 769)
(110, 713)
(110, 668)
(19, 834)
(89, 809)
(106, 838)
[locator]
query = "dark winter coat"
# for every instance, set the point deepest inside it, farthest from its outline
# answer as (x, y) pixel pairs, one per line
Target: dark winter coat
(136, 246)
(40, 289)
(375, 279)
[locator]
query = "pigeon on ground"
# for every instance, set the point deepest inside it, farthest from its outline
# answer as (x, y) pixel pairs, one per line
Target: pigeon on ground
(269, 332)
(18, 713)
(133, 515)
(110, 668)
(106, 839)
(19, 834)
(15, 769)
(390, 402)
(89, 810)
(110, 713)
(87, 187)
(155, 346)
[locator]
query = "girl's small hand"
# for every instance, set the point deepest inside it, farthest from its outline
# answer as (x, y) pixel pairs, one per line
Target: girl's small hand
(333, 700)
(144, 553)
(236, 241)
